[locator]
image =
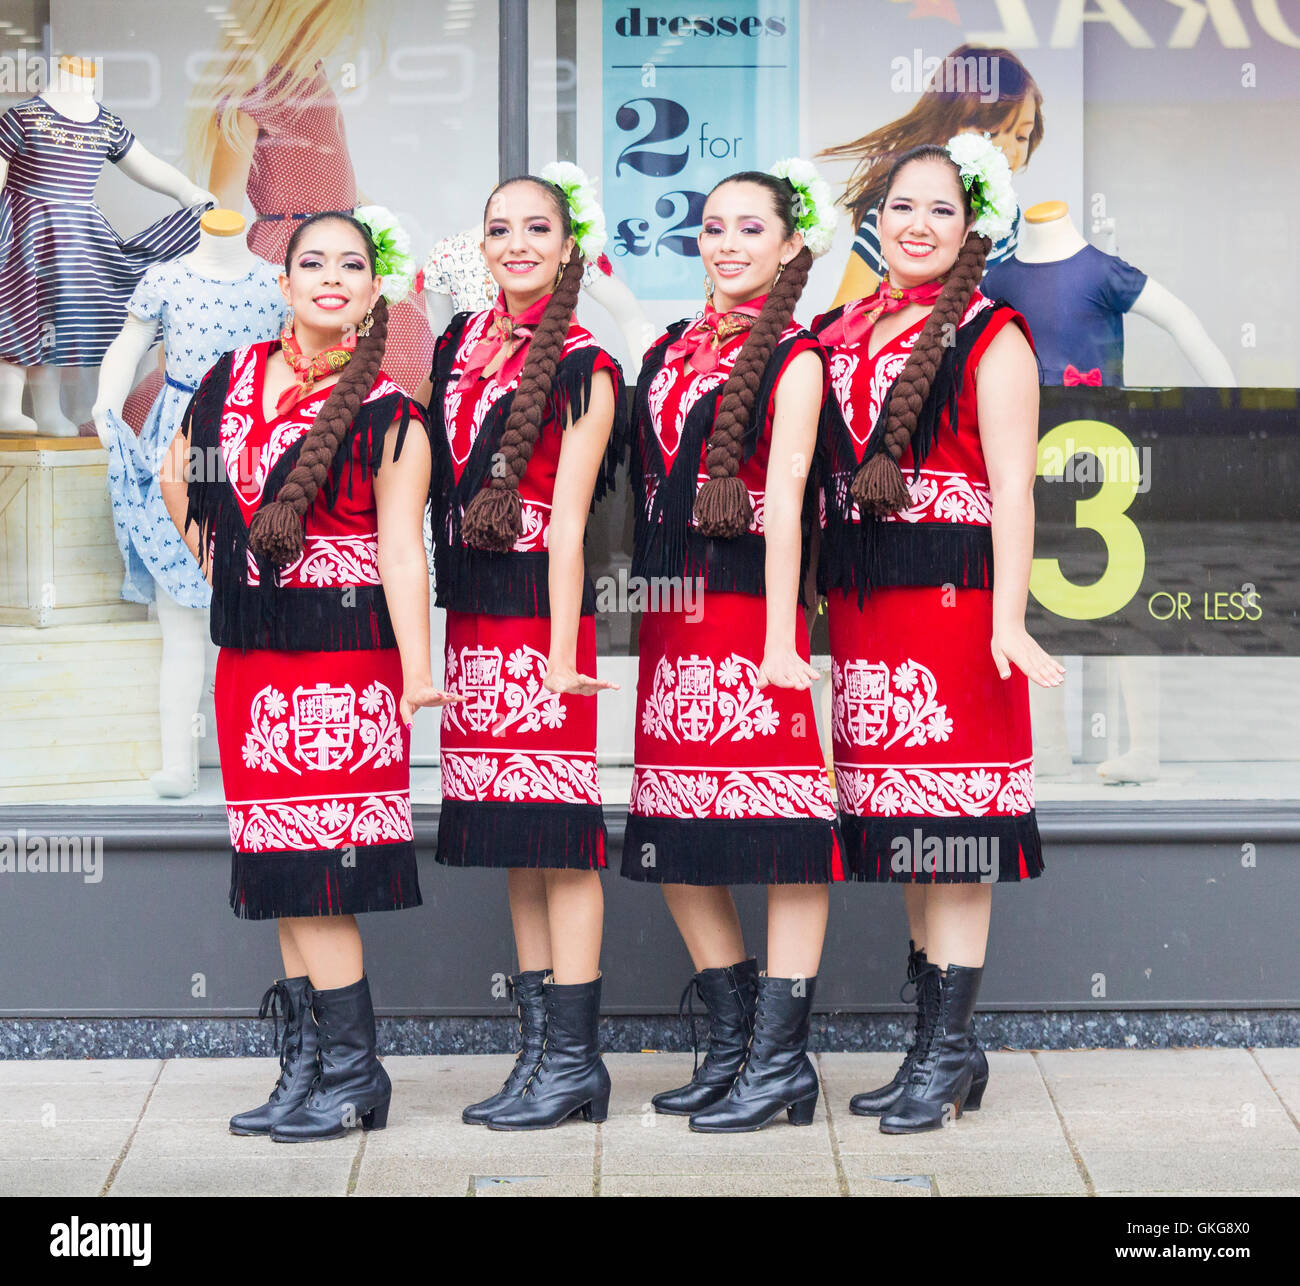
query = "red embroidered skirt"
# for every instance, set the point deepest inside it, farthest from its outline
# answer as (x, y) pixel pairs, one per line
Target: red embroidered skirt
(933, 756)
(519, 779)
(315, 763)
(730, 782)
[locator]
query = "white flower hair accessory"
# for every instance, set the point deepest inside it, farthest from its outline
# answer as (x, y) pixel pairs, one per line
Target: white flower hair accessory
(393, 260)
(585, 214)
(986, 175)
(814, 203)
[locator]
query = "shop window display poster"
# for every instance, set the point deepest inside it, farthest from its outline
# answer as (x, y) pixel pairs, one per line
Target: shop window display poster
(686, 100)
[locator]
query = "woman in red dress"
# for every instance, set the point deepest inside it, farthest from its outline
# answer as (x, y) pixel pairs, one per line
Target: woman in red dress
(929, 456)
(522, 406)
(730, 784)
(305, 509)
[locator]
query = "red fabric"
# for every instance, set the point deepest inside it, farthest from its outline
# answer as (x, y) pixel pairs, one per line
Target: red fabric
(313, 751)
(675, 389)
(854, 324)
(301, 164)
(922, 725)
(953, 485)
(512, 741)
(341, 543)
(699, 344)
(464, 413)
(502, 329)
(709, 744)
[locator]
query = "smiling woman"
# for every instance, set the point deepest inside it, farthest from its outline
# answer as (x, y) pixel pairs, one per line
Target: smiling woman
(310, 531)
(528, 423)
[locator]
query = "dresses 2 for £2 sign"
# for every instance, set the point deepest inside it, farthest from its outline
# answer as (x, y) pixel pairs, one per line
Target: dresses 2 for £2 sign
(689, 99)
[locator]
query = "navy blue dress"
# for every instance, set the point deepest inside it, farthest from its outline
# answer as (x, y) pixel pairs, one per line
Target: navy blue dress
(1075, 308)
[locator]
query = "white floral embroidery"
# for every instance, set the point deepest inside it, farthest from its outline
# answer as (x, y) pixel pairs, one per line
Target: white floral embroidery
(735, 792)
(694, 700)
(332, 823)
(485, 683)
(935, 792)
(323, 732)
(863, 705)
(518, 776)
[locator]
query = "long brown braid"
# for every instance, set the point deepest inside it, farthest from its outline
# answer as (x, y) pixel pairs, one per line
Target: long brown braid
(276, 532)
(879, 486)
(493, 519)
(722, 506)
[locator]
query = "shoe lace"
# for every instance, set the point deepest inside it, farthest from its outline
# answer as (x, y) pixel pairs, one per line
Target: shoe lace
(277, 1004)
(927, 1026)
(687, 1004)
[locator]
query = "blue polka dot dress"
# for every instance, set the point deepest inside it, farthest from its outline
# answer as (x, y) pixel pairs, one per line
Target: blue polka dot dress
(202, 318)
(65, 274)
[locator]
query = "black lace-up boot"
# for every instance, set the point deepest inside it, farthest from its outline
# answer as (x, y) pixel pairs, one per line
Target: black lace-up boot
(527, 992)
(571, 1076)
(351, 1086)
(877, 1102)
(778, 1074)
(950, 1071)
(290, 999)
(730, 996)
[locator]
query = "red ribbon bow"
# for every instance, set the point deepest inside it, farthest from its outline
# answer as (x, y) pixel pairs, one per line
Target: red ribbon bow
(503, 349)
(857, 319)
(1073, 375)
(307, 370)
(702, 341)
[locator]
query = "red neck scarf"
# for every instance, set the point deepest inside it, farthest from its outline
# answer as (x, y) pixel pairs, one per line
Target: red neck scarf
(503, 350)
(857, 319)
(701, 342)
(310, 369)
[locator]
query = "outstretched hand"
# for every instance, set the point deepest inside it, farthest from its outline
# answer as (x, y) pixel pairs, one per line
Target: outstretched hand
(567, 681)
(1017, 647)
(425, 694)
(786, 669)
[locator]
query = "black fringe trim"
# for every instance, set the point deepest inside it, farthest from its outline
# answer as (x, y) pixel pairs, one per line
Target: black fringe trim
(379, 877)
(301, 619)
(268, 615)
(672, 850)
(570, 394)
(870, 552)
(882, 554)
(536, 836)
(664, 542)
(869, 846)
(480, 580)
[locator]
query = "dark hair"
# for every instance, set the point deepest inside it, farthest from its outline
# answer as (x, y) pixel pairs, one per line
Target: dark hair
(493, 519)
(276, 532)
(941, 111)
(879, 486)
(722, 507)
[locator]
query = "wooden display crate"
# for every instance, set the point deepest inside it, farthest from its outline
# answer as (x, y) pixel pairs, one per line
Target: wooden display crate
(79, 706)
(59, 561)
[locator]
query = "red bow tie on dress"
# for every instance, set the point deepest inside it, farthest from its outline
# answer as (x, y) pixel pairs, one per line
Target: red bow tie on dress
(701, 342)
(1073, 375)
(505, 346)
(856, 321)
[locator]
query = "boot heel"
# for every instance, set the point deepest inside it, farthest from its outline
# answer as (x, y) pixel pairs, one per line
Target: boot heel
(975, 1097)
(801, 1113)
(597, 1110)
(377, 1117)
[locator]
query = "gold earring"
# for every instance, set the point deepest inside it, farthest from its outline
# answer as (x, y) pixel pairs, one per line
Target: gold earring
(708, 287)
(564, 263)
(780, 268)
(367, 324)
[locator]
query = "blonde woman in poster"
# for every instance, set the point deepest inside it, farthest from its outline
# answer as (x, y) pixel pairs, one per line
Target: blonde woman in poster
(952, 103)
(269, 127)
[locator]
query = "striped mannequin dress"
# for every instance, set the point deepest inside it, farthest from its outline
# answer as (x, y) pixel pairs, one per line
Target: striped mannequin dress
(65, 274)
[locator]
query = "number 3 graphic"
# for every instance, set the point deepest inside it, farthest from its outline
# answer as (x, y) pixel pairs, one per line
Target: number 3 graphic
(1103, 513)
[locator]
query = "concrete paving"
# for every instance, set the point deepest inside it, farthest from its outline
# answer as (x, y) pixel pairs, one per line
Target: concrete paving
(1053, 1123)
